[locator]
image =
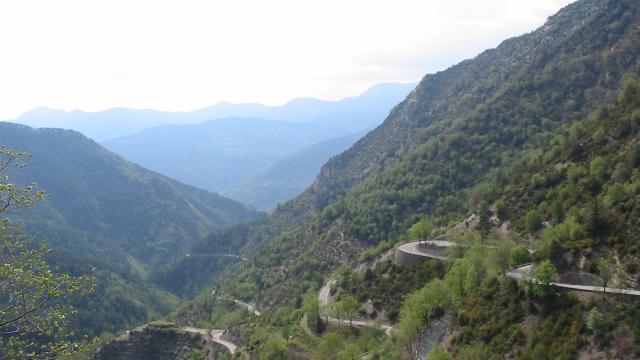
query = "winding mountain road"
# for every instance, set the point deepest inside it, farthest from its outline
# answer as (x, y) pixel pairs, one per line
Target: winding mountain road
(251, 308)
(221, 255)
(436, 249)
(421, 248)
(414, 248)
(520, 272)
(525, 272)
(362, 323)
(431, 337)
(324, 297)
(216, 335)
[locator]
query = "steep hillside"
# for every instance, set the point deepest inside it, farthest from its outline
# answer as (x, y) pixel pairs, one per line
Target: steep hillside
(439, 144)
(576, 193)
(351, 114)
(121, 301)
(112, 219)
(103, 207)
(573, 198)
(557, 73)
(288, 176)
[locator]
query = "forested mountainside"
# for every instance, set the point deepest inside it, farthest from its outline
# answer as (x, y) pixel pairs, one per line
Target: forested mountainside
(446, 138)
(121, 300)
(113, 219)
(572, 200)
(107, 208)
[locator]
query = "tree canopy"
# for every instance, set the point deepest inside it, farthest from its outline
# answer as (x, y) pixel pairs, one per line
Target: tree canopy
(421, 230)
(34, 315)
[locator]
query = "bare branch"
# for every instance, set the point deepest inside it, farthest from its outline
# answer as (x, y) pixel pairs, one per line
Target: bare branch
(36, 308)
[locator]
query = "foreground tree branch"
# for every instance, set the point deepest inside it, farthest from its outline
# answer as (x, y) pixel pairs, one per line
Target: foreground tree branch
(34, 311)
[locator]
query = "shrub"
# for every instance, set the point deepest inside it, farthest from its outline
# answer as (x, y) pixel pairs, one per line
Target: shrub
(533, 221)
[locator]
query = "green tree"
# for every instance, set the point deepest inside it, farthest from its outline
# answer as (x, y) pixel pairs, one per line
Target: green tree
(614, 195)
(596, 322)
(605, 270)
(333, 310)
(536, 180)
(545, 275)
(474, 351)
(411, 323)
(596, 220)
(598, 167)
(503, 246)
(519, 255)
(421, 230)
(622, 172)
(349, 306)
(311, 306)
(329, 346)
(196, 354)
(455, 281)
(350, 352)
(418, 308)
(533, 221)
(287, 332)
(274, 348)
(557, 211)
(34, 318)
(439, 353)
(501, 210)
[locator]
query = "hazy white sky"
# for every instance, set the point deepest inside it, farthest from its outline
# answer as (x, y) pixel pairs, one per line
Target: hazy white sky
(182, 55)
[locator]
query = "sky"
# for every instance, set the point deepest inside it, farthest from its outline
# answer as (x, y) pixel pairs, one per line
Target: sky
(184, 55)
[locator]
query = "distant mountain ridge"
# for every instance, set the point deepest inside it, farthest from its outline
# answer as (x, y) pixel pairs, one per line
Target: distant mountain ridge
(217, 147)
(352, 114)
(227, 155)
(216, 154)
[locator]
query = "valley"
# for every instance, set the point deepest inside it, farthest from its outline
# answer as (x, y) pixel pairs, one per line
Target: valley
(489, 211)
